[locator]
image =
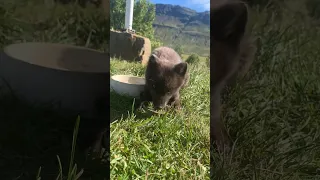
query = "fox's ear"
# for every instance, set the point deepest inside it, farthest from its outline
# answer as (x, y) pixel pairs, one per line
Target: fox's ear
(153, 59)
(181, 68)
(229, 21)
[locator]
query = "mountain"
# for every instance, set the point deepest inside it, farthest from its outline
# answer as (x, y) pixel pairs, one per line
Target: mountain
(180, 25)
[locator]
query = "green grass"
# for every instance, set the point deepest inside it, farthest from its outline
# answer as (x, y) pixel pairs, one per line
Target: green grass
(170, 146)
(185, 56)
(192, 42)
(274, 116)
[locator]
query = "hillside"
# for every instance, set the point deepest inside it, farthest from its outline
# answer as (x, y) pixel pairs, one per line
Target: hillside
(184, 26)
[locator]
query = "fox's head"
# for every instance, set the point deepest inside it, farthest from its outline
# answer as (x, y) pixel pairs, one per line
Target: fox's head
(164, 81)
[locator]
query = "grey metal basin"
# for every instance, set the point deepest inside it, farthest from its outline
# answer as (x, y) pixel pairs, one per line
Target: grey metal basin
(70, 77)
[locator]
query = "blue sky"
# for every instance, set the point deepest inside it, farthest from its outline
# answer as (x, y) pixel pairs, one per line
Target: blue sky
(198, 5)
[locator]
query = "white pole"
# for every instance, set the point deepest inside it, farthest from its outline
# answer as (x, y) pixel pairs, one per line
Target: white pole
(129, 14)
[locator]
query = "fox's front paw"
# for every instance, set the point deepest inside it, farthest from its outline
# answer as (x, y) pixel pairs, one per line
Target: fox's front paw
(177, 104)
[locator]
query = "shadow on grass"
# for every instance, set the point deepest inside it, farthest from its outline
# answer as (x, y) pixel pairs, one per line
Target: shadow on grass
(121, 107)
(31, 136)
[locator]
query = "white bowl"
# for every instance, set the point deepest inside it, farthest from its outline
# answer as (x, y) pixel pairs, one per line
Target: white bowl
(127, 85)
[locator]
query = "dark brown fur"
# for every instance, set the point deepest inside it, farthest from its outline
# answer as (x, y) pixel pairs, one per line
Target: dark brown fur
(165, 75)
(232, 54)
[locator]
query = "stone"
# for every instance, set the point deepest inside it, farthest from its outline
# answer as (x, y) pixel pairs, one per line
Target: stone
(130, 47)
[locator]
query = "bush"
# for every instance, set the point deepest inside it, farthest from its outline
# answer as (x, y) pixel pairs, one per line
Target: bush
(179, 49)
(193, 59)
(144, 15)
